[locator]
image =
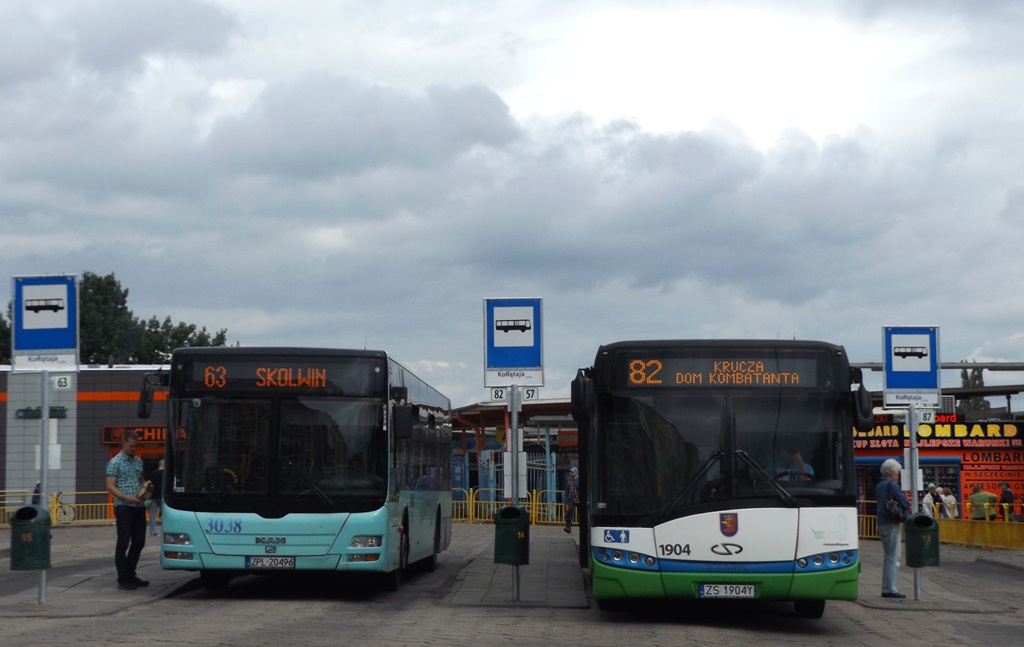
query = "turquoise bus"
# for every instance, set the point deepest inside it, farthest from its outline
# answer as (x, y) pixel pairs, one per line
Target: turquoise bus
(300, 459)
(720, 470)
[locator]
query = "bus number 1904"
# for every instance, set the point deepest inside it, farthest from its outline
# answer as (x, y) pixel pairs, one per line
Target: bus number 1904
(673, 549)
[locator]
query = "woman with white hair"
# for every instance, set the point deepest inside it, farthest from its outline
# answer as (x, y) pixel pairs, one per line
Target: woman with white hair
(889, 529)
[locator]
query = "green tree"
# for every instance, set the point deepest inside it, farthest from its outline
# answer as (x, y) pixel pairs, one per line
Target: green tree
(108, 332)
(5, 336)
(159, 339)
(972, 378)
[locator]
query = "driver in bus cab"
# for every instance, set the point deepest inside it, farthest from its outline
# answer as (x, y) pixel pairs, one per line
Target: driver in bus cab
(790, 465)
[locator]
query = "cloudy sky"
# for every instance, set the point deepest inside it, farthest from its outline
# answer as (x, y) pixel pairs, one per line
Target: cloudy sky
(365, 174)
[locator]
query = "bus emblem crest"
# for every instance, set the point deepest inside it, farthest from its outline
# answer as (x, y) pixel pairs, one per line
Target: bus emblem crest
(729, 523)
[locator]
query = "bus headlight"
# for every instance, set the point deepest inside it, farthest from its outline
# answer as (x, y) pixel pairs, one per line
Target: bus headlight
(366, 541)
(177, 539)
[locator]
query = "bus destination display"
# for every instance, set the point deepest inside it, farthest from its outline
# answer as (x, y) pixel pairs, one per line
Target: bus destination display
(669, 371)
(267, 376)
(354, 377)
(215, 376)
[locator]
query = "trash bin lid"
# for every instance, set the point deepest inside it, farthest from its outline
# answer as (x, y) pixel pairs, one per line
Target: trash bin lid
(921, 520)
(510, 512)
(31, 513)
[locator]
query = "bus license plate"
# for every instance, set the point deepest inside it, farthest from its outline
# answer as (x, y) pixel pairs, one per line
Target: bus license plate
(728, 591)
(270, 562)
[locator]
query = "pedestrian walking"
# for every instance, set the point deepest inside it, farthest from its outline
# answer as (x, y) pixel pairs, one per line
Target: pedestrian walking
(571, 498)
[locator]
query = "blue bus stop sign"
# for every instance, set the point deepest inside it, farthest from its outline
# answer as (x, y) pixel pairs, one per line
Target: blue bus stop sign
(45, 323)
(513, 352)
(911, 360)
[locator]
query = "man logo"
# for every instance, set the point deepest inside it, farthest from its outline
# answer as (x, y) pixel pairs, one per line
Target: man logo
(729, 523)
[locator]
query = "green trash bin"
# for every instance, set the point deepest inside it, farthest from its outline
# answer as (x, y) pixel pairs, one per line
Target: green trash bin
(512, 536)
(30, 539)
(921, 534)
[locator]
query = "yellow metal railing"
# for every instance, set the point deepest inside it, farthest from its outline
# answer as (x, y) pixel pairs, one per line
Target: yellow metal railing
(480, 505)
(1000, 532)
(65, 508)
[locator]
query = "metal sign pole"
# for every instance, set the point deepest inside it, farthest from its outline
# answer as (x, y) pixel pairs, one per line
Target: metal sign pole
(513, 445)
(44, 463)
(912, 425)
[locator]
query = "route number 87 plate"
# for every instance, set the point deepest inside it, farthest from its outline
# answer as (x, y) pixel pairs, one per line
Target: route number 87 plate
(728, 591)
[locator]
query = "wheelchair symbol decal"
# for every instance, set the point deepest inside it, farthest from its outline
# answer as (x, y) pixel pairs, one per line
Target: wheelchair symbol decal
(616, 536)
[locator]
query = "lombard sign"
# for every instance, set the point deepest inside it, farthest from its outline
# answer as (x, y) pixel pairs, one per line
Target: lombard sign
(45, 323)
(911, 358)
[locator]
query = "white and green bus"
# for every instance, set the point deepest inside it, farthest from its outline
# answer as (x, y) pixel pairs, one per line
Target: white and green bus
(301, 459)
(720, 469)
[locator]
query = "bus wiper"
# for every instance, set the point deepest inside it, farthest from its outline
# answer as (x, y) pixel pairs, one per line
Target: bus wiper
(307, 481)
(663, 514)
(786, 497)
(318, 492)
(221, 495)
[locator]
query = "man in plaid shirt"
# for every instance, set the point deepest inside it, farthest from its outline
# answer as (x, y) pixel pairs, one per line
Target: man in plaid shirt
(124, 478)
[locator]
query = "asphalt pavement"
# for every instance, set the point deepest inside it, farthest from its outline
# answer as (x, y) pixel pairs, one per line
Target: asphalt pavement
(82, 581)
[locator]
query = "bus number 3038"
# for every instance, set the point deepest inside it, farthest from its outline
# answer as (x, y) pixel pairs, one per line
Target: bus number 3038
(673, 549)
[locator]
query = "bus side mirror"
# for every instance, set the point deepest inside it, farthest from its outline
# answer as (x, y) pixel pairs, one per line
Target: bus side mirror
(863, 412)
(582, 397)
(401, 418)
(149, 380)
(145, 399)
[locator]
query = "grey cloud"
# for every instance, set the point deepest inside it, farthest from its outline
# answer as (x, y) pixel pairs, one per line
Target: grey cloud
(1013, 207)
(116, 35)
(324, 125)
(29, 48)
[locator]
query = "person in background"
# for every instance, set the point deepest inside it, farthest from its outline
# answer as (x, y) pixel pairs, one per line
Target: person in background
(36, 496)
(930, 500)
(889, 530)
(124, 478)
(948, 508)
(571, 498)
(1006, 500)
(157, 477)
(978, 500)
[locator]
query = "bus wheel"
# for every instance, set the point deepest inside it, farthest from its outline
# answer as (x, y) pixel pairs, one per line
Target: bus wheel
(430, 563)
(610, 604)
(214, 580)
(393, 579)
(403, 550)
(809, 608)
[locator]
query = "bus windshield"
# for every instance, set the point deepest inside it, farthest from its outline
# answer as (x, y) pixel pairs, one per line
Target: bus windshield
(665, 452)
(292, 453)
